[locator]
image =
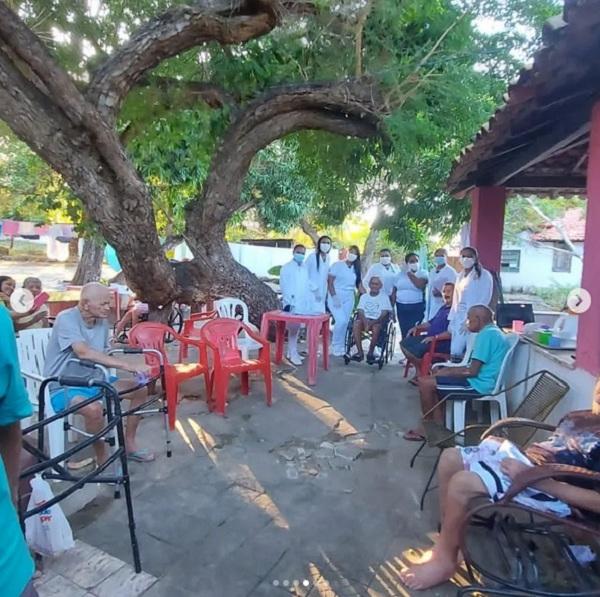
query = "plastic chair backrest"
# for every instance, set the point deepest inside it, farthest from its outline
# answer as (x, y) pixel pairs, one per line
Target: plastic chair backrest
(31, 348)
(150, 334)
(512, 340)
(232, 308)
(223, 333)
(471, 337)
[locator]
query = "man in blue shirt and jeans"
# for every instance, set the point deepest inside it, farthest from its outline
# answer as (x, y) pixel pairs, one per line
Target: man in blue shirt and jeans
(415, 345)
(16, 565)
(476, 379)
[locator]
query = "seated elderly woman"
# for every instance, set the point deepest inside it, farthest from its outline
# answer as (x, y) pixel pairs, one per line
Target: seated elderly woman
(416, 344)
(36, 317)
(490, 468)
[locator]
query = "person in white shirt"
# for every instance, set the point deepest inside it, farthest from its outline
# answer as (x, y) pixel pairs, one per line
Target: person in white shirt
(385, 270)
(317, 266)
(374, 308)
(441, 274)
(293, 283)
(408, 294)
(474, 286)
(344, 278)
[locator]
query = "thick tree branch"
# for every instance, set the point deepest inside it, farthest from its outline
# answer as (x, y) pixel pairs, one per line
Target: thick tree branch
(309, 230)
(177, 30)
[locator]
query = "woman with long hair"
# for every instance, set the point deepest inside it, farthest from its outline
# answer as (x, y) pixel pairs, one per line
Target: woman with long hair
(474, 286)
(317, 266)
(343, 281)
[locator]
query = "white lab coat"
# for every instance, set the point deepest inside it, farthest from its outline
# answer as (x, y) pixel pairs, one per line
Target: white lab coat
(387, 275)
(437, 279)
(469, 290)
(317, 283)
(344, 284)
(293, 283)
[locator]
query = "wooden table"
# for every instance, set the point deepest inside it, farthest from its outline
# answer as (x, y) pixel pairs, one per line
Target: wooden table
(317, 325)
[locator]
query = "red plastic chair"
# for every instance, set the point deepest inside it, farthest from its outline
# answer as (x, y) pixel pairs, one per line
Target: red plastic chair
(430, 357)
(152, 335)
(221, 336)
(191, 331)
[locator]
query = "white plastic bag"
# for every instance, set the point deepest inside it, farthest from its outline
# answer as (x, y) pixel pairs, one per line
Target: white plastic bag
(48, 532)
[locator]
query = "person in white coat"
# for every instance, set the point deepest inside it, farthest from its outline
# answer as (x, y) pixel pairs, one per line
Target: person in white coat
(440, 275)
(317, 266)
(385, 270)
(474, 286)
(344, 278)
(293, 283)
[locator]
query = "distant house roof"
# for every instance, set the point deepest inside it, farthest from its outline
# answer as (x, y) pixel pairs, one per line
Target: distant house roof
(573, 224)
(537, 141)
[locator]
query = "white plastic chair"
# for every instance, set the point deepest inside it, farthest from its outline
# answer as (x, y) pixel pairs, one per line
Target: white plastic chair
(31, 347)
(497, 396)
(232, 308)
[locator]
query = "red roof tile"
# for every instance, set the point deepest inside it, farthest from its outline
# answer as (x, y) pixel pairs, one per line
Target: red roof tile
(573, 223)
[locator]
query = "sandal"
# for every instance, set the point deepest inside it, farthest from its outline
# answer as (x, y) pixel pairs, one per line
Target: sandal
(414, 381)
(142, 455)
(357, 358)
(413, 436)
(77, 465)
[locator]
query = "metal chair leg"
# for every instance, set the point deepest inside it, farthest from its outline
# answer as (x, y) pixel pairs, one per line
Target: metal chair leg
(433, 471)
(419, 450)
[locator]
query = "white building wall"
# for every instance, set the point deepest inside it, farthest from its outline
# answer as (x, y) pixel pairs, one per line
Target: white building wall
(536, 269)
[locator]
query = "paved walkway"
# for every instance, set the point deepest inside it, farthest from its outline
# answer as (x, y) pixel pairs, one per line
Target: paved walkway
(313, 496)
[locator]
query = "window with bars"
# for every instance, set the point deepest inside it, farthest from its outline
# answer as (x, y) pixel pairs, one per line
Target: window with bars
(511, 261)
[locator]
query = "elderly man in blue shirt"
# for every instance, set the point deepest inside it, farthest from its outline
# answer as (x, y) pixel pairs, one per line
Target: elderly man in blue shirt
(416, 344)
(478, 378)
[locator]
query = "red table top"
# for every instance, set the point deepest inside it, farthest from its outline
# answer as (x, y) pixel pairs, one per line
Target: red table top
(287, 316)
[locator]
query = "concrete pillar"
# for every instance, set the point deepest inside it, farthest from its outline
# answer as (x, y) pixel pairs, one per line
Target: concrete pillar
(487, 224)
(588, 341)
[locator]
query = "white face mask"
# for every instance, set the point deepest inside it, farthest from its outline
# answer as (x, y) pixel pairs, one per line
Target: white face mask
(352, 257)
(467, 262)
(385, 260)
(325, 247)
(413, 267)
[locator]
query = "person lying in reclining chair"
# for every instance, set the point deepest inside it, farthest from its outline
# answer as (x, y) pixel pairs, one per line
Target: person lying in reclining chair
(489, 469)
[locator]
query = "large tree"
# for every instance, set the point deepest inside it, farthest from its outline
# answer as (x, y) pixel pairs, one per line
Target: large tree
(76, 113)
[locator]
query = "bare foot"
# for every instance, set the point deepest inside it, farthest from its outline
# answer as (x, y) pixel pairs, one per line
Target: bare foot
(430, 574)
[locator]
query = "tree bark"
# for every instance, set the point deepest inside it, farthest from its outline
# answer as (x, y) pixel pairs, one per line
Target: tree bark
(89, 267)
(366, 259)
(309, 230)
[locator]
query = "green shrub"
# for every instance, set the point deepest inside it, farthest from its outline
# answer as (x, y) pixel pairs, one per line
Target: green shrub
(554, 296)
(275, 271)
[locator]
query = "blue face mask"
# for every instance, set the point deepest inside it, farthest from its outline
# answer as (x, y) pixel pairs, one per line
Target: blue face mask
(298, 257)
(440, 260)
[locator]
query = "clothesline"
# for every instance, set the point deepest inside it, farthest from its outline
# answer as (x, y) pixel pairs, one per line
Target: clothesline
(31, 230)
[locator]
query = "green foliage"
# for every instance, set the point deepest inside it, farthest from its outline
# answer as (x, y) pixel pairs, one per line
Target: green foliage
(555, 296)
(440, 70)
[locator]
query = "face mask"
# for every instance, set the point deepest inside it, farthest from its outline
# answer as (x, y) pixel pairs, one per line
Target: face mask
(440, 260)
(385, 260)
(413, 267)
(325, 247)
(298, 257)
(468, 262)
(352, 257)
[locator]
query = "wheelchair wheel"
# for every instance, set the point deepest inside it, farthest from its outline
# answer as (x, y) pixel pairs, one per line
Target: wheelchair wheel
(175, 321)
(391, 342)
(349, 339)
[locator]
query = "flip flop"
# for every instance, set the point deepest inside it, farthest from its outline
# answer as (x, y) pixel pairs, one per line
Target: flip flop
(142, 455)
(414, 381)
(412, 436)
(77, 465)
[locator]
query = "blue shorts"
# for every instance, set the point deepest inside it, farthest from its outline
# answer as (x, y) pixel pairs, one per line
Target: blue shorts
(455, 385)
(61, 397)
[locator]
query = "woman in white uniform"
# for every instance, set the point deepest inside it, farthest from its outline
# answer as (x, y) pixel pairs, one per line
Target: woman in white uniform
(293, 283)
(385, 270)
(440, 275)
(409, 288)
(474, 286)
(344, 279)
(317, 266)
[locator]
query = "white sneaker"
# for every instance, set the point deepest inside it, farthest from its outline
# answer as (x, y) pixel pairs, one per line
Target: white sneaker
(295, 359)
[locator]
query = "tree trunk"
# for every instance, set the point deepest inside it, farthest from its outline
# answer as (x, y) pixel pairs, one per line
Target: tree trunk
(309, 230)
(89, 268)
(366, 259)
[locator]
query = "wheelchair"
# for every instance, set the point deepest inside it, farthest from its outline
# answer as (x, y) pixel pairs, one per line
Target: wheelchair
(175, 321)
(386, 343)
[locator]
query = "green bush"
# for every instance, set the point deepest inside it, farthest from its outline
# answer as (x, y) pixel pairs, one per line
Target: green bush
(555, 296)
(275, 271)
